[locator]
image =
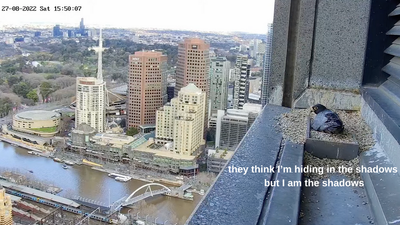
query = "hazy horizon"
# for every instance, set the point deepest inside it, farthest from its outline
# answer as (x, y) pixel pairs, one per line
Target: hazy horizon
(171, 15)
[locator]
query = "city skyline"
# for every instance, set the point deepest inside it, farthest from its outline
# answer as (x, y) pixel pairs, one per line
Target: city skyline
(157, 14)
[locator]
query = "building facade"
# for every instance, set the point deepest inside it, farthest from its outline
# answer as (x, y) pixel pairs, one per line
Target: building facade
(5, 208)
(147, 87)
(193, 64)
(182, 121)
(37, 122)
(241, 85)
(233, 124)
(90, 103)
(219, 72)
(266, 66)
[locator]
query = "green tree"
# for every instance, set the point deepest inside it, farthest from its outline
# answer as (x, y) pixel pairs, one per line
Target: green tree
(45, 89)
(13, 80)
(21, 89)
(5, 106)
(132, 131)
(33, 95)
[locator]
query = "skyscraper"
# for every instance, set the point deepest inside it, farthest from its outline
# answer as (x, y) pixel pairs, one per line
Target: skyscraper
(219, 72)
(91, 96)
(147, 87)
(5, 208)
(266, 67)
(182, 121)
(241, 86)
(82, 28)
(193, 67)
(193, 64)
(57, 31)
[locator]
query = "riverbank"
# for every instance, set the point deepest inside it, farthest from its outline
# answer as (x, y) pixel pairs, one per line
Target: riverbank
(15, 142)
(123, 169)
(28, 180)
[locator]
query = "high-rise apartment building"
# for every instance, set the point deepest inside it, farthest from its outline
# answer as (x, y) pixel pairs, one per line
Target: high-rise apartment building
(241, 86)
(90, 102)
(219, 74)
(147, 87)
(5, 208)
(266, 67)
(91, 97)
(182, 121)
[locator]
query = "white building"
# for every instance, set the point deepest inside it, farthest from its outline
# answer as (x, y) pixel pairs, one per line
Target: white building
(219, 72)
(90, 102)
(182, 121)
(91, 97)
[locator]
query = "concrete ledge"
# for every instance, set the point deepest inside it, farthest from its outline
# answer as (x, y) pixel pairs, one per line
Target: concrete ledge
(338, 100)
(376, 111)
(284, 202)
(382, 188)
(236, 198)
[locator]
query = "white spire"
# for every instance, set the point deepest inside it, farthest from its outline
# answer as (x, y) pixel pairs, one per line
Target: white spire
(100, 50)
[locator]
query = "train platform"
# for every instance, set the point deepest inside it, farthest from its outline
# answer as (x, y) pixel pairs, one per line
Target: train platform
(39, 194)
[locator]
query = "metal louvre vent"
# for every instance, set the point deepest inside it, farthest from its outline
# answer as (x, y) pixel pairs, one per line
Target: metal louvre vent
(391, 86)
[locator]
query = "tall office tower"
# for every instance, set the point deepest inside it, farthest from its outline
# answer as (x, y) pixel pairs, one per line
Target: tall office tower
(193, 67)
(241, 86)
(5, 208)
(266, 67)
(219, 72)
(57, 31)
(193, 64)
(82, 27)
(91, 96)
(147, 87)
(182, 121)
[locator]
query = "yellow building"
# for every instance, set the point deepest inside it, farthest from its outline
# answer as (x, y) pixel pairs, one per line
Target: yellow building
(37, 122)
(182, 121)
(5, 208)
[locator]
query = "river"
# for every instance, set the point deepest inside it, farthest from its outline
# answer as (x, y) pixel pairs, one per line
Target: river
(88, 183)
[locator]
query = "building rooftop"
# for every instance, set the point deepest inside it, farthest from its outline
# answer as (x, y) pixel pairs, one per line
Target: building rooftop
(89, 81)
(250, 107)
(121, 90)
(38, 193)
(117, 140)
(151, 53)
(37, 115)
(221, 152)
(191, 88)
(83, 128)
(162, 152)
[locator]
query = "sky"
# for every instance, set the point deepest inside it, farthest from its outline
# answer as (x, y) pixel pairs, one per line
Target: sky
(250, 16)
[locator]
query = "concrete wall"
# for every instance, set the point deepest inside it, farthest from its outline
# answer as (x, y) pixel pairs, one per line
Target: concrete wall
(318, 44)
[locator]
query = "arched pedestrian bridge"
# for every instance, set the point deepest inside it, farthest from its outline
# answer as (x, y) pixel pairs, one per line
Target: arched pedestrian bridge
(131, 199)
